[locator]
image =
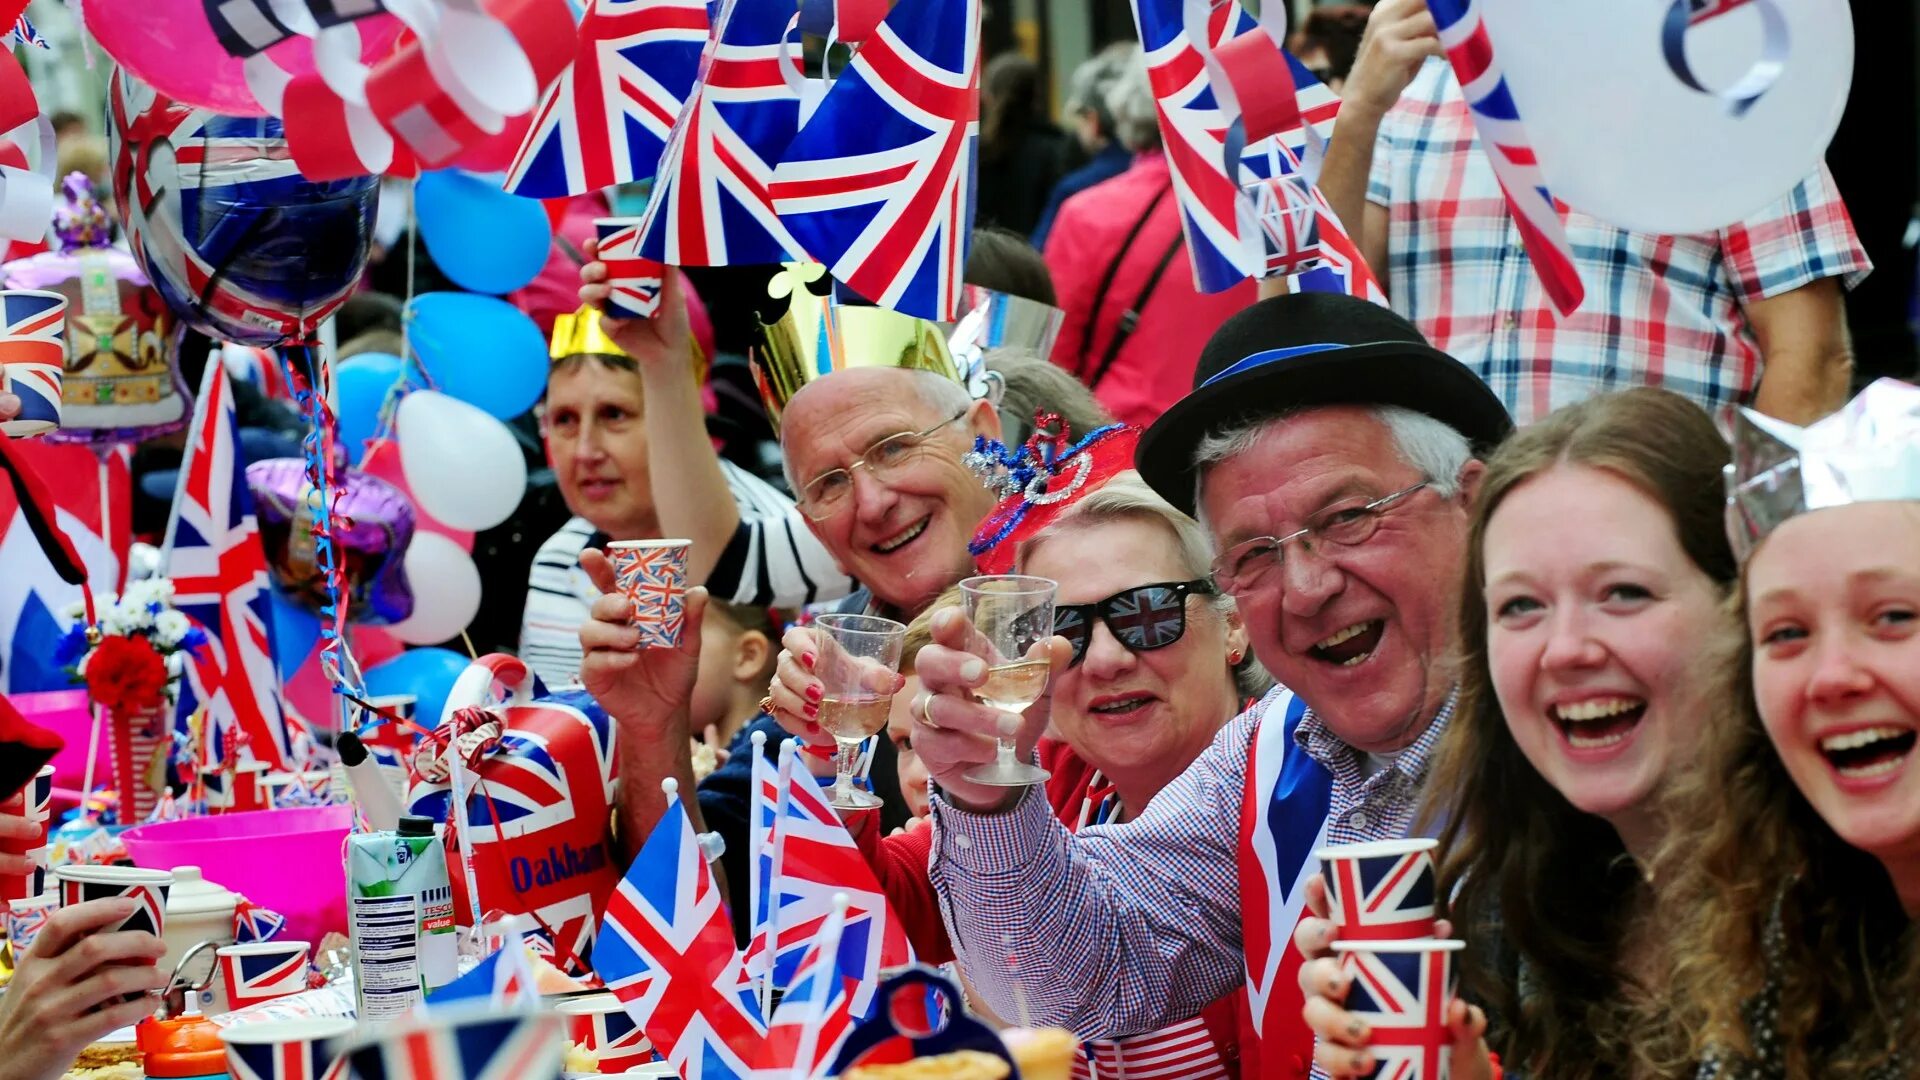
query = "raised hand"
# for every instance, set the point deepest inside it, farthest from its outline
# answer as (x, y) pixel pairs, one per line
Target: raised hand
(952, 732)
(645, 689)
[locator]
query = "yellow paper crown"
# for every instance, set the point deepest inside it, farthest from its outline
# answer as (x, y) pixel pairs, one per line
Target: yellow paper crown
(579, 333)
(817, 337)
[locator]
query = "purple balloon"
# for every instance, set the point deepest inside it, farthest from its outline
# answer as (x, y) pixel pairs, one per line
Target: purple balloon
(373, 524)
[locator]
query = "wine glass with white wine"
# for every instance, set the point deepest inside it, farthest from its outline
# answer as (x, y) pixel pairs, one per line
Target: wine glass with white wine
(1014, 614)
(857, 669)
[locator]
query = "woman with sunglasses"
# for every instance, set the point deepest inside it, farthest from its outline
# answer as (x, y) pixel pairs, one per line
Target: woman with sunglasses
(1159, 663)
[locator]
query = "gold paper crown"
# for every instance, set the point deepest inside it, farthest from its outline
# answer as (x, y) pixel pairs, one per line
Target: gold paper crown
(579, 333)
(817, 337)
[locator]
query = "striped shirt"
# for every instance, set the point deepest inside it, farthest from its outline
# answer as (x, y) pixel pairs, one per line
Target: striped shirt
(773, 560)
(1125, 928)
(1660, 310)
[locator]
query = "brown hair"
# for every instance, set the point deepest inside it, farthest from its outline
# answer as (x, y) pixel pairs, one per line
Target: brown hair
(1846, 963)
(1532, 879)
(770, 623)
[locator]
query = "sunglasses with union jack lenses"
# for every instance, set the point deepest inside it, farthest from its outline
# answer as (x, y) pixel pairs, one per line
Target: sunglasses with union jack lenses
(1143, 618)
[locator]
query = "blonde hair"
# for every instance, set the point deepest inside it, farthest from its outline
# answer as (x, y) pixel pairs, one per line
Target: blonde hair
(920, 630)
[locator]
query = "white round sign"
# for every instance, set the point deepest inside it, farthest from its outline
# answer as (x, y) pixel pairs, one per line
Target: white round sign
(1603, 88)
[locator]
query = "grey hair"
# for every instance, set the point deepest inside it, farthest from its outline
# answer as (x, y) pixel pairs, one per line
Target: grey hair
(1087, 89)
(1127, 497)
(1136, 121)
(1431, 447)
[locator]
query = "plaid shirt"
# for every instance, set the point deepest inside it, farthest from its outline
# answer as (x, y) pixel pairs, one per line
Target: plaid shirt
(1660, 310)
(1126, 928)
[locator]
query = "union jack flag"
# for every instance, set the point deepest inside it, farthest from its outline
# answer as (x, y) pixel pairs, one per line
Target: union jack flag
(264, 972)
(805, 858)
(251, 922)
(1403, 996)
(1699, 11)
(93, 504)
(814, 1017)
(220, 583)
(1301, 236)
(1497, 119)
(666, 951)
(482, 1046)
(1381, 897)
(25, 34)
(504, 977)
(299, 1059)
(878, 184)
(33, 335)
(606, 120)
(711, 206)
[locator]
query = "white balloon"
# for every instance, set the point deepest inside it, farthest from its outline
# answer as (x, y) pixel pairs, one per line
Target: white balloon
(446, 590)
(464, 467)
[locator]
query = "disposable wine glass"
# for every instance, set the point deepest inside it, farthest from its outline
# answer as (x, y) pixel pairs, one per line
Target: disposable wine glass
(1014, 614)
(856, 667)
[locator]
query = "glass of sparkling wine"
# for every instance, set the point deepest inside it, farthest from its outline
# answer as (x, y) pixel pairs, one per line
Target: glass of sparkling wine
(1014, 615)
(856, 665)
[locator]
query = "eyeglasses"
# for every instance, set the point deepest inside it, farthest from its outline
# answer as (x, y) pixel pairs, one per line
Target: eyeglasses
(1241, 568)
(1143, 618)
(826, 495)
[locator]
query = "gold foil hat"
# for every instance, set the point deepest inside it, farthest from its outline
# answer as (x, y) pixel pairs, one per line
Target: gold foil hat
(817, 337)
(1869, 451)
(578, 333)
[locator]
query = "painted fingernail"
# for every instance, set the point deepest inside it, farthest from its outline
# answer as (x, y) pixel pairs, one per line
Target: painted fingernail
(813, 728)
(973, 670)
(807, 659)
(813, 711)
(814, 693)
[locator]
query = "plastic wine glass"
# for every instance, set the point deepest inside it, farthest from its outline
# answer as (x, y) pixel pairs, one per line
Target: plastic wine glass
(856, 667)
(1014, 614)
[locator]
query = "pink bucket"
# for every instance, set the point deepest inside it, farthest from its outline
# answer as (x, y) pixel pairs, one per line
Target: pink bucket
(289, 861)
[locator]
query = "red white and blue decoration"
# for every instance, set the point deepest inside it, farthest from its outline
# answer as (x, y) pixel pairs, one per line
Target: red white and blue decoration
(607, 118)
(33, 355)
(93, 505)
(879, 182)
(469, 1041)
(653, 575)
(263, 971)
(1382, 891)
(633, 280)
(814, 1017)
(1401, 991)
(711, 205)
(251, 922)
(298, 1050)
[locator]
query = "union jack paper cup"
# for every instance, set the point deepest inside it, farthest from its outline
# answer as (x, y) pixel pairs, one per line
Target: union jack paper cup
(1402, 989)
(461, 1040)
(653, 574)
(33, 357)
(287, 1049)
(26, 918)
(635, 281)
(1381, 891)
(79, 884)
(262, 970)
(598, 1027)
(33, 882)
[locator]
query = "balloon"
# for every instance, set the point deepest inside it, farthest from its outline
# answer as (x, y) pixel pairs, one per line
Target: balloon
(361, 384)
(427, 674)
(463, 466)
(122, 379)
(296, 629)
(447, 586)
(373, 526)
(247, 250)
(481, 237)
(169, 44)
(383, 461)
(480, 349)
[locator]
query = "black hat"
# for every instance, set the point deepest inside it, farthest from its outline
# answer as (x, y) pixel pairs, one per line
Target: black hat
(1291, 352)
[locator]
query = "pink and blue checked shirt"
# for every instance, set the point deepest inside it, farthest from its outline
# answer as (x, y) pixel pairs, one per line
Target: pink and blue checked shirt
(1660, 310)
(1125, 928)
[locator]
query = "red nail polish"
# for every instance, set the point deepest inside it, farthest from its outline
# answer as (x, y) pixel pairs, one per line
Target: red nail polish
(814, 693)
(812, 728)
(807, 659)
(812, 711)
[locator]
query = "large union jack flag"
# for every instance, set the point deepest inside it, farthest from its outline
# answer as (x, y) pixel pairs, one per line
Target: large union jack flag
(804, 857)
(1403, 995)
(666, 951)
(507, 1046)
(711, 205)
(1497, 120)
(220, 583)
(1382, 897)
(606, 120)
(878, 184)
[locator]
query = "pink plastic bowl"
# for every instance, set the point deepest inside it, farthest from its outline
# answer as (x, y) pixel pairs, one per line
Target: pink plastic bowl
(288, 861)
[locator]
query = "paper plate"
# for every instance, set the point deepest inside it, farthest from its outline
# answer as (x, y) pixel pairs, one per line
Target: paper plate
(1623, 137)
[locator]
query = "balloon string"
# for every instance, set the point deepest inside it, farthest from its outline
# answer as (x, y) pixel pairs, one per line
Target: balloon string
(311, 378)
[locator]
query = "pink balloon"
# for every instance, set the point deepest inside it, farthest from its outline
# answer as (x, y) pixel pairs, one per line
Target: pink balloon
(383, 461)
(168, 44)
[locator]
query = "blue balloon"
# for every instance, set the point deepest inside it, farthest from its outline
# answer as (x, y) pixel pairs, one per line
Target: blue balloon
(296, 629)
(479, 236)
(427, 674)
(480, 349)
(362, 383)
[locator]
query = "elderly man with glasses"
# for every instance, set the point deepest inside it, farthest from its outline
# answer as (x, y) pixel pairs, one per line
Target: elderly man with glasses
(1331, 455)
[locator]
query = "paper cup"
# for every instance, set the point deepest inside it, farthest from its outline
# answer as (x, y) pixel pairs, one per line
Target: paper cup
(1382, 891)
(79, 884)
(26, 918)
(33, 356)
(653, 574)
(32, 883)
(1402, 989)
(635, 281)
(286, 1049)
(262, 970)
(520, 1042)
(41, 810)
(601, 1025)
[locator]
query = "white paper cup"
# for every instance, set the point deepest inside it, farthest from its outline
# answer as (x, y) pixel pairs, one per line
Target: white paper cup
(289, 1048)
(78, 884)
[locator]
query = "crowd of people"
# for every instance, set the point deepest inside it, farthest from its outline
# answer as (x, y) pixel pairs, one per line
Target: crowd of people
(1332, 572)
